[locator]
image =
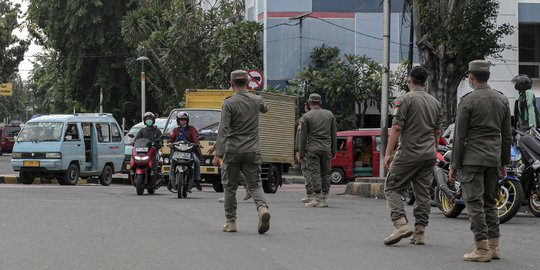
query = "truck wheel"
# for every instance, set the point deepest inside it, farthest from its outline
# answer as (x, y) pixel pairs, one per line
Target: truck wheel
(216, 184)
(337, 176)
(26, 178)
(71, 176)
(106, 176)
(274, 179)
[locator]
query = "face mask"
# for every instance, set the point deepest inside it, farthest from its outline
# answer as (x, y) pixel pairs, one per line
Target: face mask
(149, 122)
(470, 84)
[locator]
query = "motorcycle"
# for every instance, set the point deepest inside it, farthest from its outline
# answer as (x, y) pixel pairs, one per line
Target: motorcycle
(450, 200)
(144, 173)
(529, 146)
(183, 167)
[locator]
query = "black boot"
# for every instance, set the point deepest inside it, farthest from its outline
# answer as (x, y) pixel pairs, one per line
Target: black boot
(198, 185)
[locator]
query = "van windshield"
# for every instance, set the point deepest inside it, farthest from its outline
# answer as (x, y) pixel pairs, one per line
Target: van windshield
(41, 132)
(201, 119)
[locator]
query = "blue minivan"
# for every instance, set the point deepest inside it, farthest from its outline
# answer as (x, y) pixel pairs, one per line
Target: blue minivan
(69, 146)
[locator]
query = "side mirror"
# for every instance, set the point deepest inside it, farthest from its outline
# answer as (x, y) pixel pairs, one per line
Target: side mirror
(131, 135)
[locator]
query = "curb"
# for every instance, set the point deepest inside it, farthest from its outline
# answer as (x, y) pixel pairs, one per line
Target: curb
(367, 188)
(293, 179)
(41, 181)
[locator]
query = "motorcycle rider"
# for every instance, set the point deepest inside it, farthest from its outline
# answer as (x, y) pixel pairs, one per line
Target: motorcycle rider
(150, 132)
(525, 110)
(187, 132)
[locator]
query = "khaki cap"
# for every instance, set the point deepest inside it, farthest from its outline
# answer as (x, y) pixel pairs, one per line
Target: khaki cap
(479, 65)
(239, 75)
(315, 98)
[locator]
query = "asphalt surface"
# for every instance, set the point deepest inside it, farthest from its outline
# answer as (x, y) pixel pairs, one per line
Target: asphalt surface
(95, 227)
(5, 165)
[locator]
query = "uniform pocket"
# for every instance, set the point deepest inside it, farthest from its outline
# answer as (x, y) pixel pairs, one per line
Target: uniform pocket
(467, 174)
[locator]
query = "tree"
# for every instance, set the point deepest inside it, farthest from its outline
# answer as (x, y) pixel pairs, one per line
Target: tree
(347, 83)
(87, 54)
(450, 34)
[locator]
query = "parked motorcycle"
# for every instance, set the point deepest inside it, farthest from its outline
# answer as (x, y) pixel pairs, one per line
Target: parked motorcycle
(144, 173)
(529, 146)
(183, 167)
(450, 200)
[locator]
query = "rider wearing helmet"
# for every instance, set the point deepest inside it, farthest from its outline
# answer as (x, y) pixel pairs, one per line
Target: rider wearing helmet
(525, 110)
(187, 132)
(150, 132)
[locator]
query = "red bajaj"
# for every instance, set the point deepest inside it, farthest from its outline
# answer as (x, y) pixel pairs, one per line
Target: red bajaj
(145, 172)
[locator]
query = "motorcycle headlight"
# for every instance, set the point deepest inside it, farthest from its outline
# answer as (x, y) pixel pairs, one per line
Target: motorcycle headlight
(16, 155)
(143, 158)
(166, 160)
(53, 155)
(208, 161)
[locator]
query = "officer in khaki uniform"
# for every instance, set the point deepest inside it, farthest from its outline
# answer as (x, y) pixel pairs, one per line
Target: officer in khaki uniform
(317, 146)
(238, 146)
(303, 163)
(417, 125)
(482, 141)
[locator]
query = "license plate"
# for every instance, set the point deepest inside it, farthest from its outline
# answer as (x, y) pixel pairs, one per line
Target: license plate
(210, 169)
(30, 163)
(181, 155)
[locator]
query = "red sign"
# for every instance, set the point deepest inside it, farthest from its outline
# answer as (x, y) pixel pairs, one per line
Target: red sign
(256, 79)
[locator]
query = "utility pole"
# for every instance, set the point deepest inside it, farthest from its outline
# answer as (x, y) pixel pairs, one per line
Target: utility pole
(142, 59)
(385, 85)
(411, 38)
(300, 19)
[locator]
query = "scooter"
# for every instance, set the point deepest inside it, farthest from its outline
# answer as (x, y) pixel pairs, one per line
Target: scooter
(183, 167)
(450, 199)
(144, 173)
(529, 146)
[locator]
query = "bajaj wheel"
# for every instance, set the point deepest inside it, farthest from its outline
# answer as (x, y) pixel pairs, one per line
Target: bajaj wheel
(534, 203)
(510, 198)
(179, 183)
(71, 176)
(139, 184)
(450, 208)
(106, 176)
(216, 183)
(26, 178)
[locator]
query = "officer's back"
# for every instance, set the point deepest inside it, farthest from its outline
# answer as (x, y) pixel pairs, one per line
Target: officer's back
(319, 123)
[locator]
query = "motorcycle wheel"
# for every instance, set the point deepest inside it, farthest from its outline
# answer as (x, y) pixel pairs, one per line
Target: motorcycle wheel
(534, 204)
(139, 184)
(449, 208)
(185, 191)
(510, 198)
(179, 176)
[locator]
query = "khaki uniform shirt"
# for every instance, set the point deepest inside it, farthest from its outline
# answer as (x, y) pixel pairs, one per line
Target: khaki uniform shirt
(239, 126)
(483, 132)
(318, 132)
(420, 115)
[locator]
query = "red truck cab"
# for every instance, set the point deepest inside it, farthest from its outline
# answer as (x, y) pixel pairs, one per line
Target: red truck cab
(358, 155)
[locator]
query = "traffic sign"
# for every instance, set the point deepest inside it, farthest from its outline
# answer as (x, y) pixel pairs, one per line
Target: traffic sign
(6, 89)
(256, 79)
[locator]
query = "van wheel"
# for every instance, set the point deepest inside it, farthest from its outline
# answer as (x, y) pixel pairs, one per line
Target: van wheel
(274, 179)
(106, 176)
(71, 176)
(337, 176)
(26, 178)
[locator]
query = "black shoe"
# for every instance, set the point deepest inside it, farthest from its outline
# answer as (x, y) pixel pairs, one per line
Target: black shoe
(198, 185)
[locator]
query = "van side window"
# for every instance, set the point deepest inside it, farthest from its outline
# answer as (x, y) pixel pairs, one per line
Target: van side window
(103, 132)
(116, 135)
(342, 144)
(72, 133)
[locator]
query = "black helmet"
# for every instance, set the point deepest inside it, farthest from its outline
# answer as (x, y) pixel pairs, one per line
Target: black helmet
(151, 115)
(182, 115)
(522, 82)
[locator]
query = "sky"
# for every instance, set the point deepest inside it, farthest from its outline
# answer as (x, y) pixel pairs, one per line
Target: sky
(26, 66)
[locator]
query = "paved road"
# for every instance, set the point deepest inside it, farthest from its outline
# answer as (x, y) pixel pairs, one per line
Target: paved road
(5, 165)
(94, 227)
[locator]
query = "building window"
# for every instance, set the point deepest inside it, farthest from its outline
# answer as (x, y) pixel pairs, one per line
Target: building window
(529, 49)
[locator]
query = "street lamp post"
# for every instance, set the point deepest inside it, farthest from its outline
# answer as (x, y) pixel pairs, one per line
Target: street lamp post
(142, 59)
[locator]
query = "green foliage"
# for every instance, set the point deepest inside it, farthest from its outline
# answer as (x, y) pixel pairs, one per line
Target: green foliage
(12, 51)
(450, 34)
(344, 82)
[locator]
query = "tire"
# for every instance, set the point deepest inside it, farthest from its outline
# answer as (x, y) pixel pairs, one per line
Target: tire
(337, 177)
(216, 184)
(71, 176)
(448, 207)
(408, 196)
(151, 191)
(106, 176)
(26, 178)
(179, 183)
(510, 198)
(534, 203)
(271, 185)
(139, 184)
